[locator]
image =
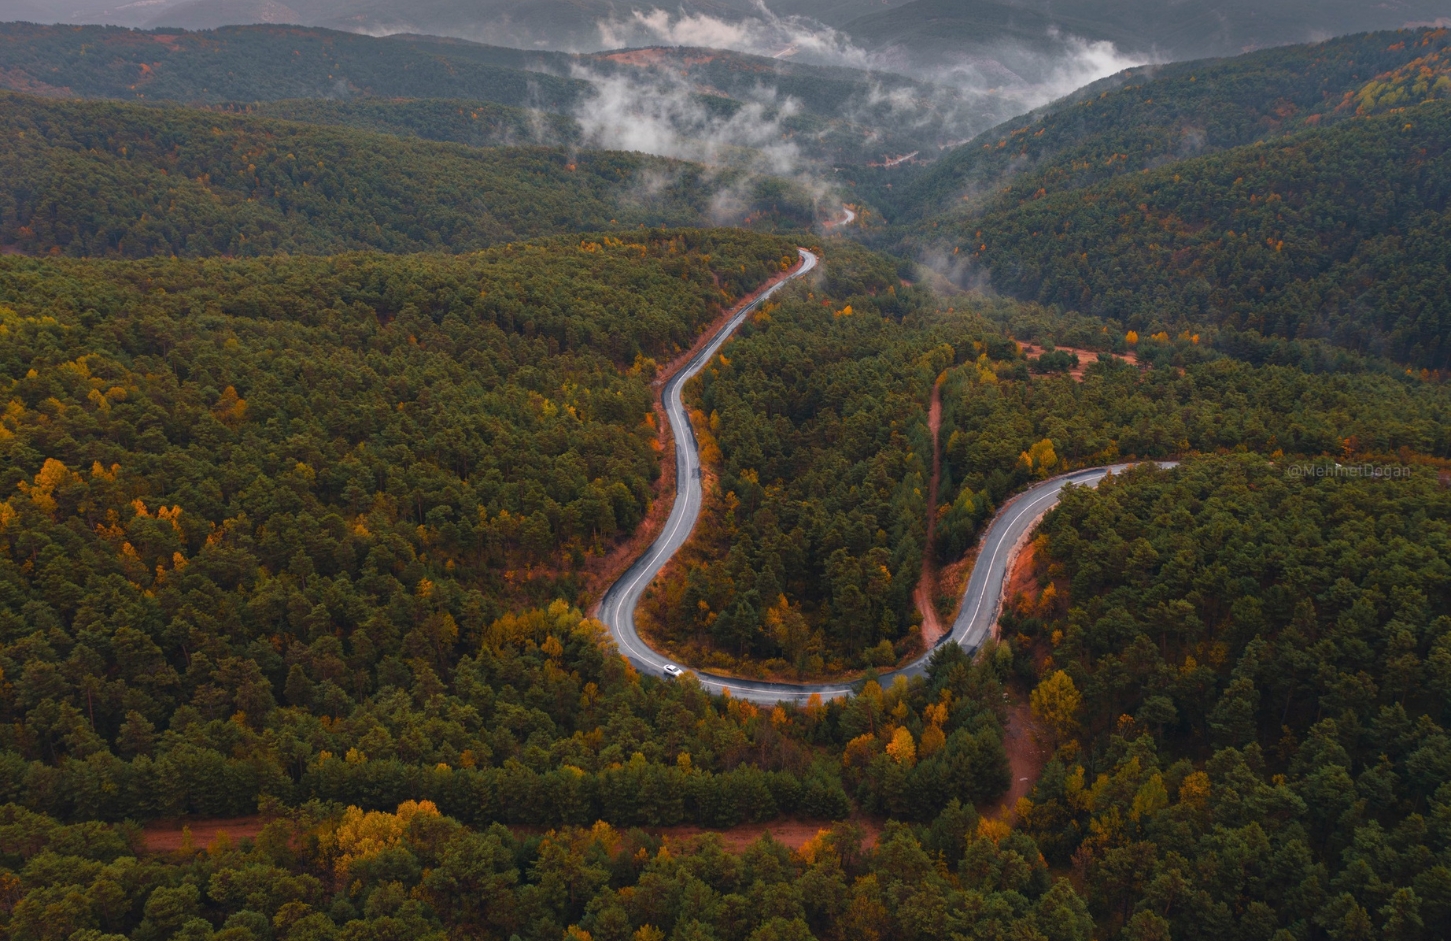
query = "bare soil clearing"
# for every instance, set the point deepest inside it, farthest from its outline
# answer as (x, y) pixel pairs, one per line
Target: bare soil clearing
(166, 836)
(1086, 358)
(1025, 740)
(793, 833)
(1022, 576)
(1028, 752)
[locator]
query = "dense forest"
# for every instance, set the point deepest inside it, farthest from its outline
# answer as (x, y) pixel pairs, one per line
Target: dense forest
(261, 63)
(1331, 233)
(816, 421)
(275, 530)
(326, 412)
(996, 435)
(453, 120)
(416, 873)
(1248, 671)
(105, 179)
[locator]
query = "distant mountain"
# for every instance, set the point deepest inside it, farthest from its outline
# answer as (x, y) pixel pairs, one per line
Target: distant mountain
(695, 103)
(256, 64)
(531, 24)
(1336, 233)
(209, 14)
(1294, 193)
(937, 32)
(1147, 116)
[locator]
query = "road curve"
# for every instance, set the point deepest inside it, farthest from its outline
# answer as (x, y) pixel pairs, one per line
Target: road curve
(617, 607)
(980, 603)
(847, 219)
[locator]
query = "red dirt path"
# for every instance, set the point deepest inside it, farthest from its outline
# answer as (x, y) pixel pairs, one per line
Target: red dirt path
(163, 836)
(160, 836)
(793, 833)
(932, 628)
(1028, 752)
(1025, 741)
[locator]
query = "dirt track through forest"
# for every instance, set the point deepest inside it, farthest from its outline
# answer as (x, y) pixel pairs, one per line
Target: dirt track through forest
(932, 629)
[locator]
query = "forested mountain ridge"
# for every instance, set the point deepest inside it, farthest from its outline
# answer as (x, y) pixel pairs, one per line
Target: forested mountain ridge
(449, 120)
(260, 63)
(1332, 233)
(829, 114)
(950, 31)
(1157, 114)
(104, 178)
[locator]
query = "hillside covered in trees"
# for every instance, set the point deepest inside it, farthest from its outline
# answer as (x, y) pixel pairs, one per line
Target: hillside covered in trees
(1248, 671)
(262, 63)
(107, 179)
(1290, 194)
(276, 536)
(1145, 117)
(1335, 234)
(816, 419)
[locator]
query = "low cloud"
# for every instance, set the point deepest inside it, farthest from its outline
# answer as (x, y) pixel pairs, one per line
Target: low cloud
(661, 113)
(765, 34)
(980, 88)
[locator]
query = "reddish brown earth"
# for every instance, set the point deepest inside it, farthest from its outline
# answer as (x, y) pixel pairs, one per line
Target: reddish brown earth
(932, 628)
(163, 836)
(951, 583)
(1025, 740)
(1086, 358)
(166, 836)
(793, 833)
(602, 571)
(1028, 752)
(1022, 577)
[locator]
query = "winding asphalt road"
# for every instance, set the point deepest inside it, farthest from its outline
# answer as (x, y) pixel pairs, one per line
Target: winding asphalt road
(617, 607)
(847, 219)
(980, 604)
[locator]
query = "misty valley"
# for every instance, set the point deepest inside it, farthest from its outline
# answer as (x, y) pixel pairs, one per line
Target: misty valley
(801, 470)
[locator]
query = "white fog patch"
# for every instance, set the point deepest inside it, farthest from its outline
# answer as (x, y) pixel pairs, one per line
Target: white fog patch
(958, 269)
(765, 34)
(1005, 81)
(661, 114)
(986, 85)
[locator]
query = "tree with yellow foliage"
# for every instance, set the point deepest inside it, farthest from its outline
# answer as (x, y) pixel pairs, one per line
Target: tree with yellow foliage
(361, 835)
(1056, 702)
(1040, 459)
(902, 748)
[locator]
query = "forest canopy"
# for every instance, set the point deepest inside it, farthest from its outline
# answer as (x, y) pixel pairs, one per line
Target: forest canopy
(1259, 662)
(107, 179)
